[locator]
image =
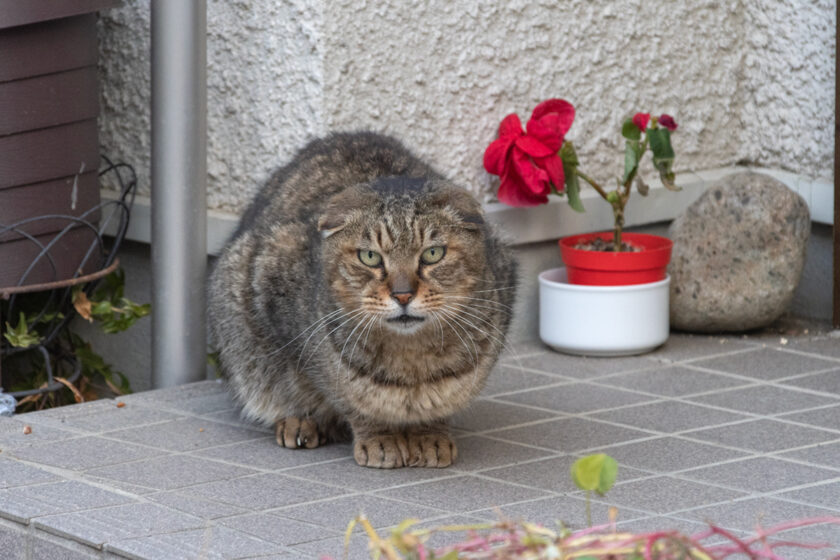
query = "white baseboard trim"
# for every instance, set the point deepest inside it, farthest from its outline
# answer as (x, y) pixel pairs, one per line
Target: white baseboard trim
(555, 219)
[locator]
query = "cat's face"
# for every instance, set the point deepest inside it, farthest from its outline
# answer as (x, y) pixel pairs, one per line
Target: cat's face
(406, 263)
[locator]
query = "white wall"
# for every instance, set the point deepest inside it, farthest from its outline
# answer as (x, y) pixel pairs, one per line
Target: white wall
(748, 81)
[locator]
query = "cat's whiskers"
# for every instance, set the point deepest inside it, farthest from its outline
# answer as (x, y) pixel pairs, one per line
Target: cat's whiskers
(452, 324)
(483, 299)
(322, 319)
(495, 289)
(352, 315)
(501, 340)
(461, 322)
(350, 337)
(371, 319)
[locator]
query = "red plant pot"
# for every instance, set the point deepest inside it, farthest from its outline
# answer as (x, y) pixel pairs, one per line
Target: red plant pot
(607, 268)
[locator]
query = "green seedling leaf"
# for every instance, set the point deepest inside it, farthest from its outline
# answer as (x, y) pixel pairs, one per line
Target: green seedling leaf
(595, 473)
(630, 131)
(20, 336)
(570, 164)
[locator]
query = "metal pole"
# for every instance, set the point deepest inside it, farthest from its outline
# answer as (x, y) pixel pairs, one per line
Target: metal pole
(179, 171)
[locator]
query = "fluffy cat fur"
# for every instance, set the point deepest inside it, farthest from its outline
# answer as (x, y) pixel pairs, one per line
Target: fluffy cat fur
(324, 346)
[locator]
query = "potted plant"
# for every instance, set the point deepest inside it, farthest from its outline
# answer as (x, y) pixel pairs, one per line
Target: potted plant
(611, 279)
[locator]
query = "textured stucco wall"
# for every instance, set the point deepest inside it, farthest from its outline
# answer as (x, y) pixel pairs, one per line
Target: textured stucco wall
(748, 80)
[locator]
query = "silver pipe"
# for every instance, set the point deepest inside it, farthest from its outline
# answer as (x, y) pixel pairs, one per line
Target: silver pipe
(179, 176)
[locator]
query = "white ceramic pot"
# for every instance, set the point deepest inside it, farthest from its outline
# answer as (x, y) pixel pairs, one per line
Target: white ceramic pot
(602, 320)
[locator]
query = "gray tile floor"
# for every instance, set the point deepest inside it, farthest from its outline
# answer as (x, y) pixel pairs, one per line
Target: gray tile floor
(737, 430)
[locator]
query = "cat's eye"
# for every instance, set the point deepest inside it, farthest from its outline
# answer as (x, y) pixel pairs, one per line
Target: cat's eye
(432, 255)
(370, 258)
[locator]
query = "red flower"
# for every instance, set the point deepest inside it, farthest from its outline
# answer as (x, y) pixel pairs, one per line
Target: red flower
(528, 163)
(641, 120)
(668, 122)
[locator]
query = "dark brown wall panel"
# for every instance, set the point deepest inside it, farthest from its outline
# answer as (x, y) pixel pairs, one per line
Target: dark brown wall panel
(22, 12)
(51, 197)
(48, 100)
(49, 153)
(44, 48)
(16, 256)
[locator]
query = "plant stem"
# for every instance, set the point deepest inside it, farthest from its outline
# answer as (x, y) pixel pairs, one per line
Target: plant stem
(592, 182)
(588, 508)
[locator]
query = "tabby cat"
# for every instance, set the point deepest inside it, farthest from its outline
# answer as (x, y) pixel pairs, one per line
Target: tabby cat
(362, 296)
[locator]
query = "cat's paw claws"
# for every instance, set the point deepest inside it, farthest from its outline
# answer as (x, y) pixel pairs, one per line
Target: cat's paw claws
(431, 450)
(295, 433)
(381, 451)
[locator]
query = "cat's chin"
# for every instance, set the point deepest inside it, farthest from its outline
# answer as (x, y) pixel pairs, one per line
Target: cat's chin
(406, 324)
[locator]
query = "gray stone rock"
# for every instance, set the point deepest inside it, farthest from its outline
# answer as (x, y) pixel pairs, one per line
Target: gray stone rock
(739, 251)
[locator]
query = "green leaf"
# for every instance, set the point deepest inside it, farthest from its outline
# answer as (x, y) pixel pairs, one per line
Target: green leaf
(632, 155)
(570, 164)
(20, 336)
(630, 131)
(663, 156)
(595, 472)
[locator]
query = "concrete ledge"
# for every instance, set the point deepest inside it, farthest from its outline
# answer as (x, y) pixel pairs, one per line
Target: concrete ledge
(555, 219)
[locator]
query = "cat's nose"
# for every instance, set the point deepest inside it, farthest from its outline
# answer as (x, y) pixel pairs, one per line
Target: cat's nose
(402, 297)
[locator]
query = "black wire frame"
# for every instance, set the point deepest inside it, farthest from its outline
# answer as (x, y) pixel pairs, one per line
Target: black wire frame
(101, 255)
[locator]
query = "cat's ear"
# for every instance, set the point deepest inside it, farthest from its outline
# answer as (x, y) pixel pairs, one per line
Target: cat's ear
(462, 206)
(340, 210)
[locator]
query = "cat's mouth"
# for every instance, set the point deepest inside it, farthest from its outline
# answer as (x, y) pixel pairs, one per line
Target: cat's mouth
(405, 319)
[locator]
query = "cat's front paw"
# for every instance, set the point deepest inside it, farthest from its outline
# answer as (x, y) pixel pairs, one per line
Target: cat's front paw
(431, 450)
(294, 433)
(387, 451)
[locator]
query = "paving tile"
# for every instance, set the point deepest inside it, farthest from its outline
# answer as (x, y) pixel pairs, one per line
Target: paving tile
(746, 514)
(261, 492)
(681, 346)
(13, 541)
(461, 494)
(200, 507)
(672, 381)
(476, 453)
(663, 495)
(823, 533)
(764, 435)
(765, 363)
(824, 454)
(576, 398)
(84, 453)
(826, 382)
(186, 434)
(13, 473)
(333, 548)
(99, 526)
(826, 346)
(282, 530)
(557, 512)
(26, 502)
(234, 417)
(828, 417)
(346, 473)
(505, 379)
(265, 453)
(580, 367)
(116, 485)
(485, 415)
(48, 548)
(98, 416)
(570, 435)
(518, 350)
(668, 454)
(823, 495)
(170, 472)
(338, 513)
(764, 399)
(210, 543)
(203, 397)
(550, 474)
(668, 416)
(12, 434)
(760, 474)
